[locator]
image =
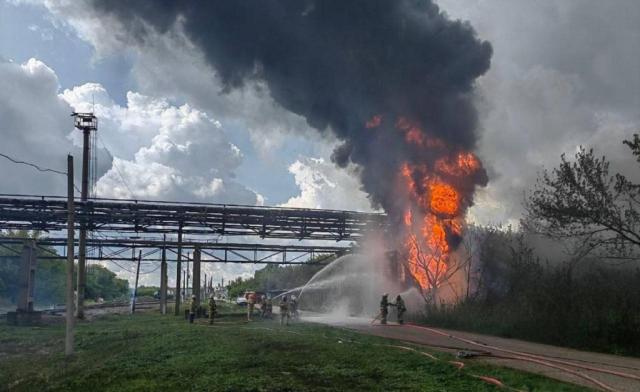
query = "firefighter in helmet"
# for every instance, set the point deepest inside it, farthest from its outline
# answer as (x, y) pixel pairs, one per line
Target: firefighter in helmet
(384, 308)
(193, 308)
(212, 308)
(401, 309)
(284, 310)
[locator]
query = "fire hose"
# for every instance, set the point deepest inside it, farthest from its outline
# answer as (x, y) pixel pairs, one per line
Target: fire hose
(376, 318)
(460, 365)
(541, 360)
(457, 364)
(514, 355)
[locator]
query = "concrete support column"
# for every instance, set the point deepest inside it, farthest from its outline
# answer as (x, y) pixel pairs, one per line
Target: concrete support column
(82, 245)
(27, 277)
(163, 282)
(196, 275)
(70, 305)
(178, 272)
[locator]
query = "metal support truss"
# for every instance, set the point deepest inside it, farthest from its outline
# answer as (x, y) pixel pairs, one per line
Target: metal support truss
(114, 248)
(49, 213)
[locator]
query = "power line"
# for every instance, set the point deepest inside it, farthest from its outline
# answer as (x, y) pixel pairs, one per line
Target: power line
(122, 179)
(33, 165)
(42, 169)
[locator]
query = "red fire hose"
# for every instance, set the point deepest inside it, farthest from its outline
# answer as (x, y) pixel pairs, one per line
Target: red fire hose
(542, 360)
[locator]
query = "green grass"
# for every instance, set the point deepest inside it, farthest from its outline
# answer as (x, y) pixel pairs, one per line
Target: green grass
(150, 352)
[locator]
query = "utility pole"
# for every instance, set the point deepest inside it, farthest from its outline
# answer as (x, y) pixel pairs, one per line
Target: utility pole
(86, 122)
(69, 313)
(135, 288)
(195, 282)
(186, 287)
(163, 279)
(178, 272)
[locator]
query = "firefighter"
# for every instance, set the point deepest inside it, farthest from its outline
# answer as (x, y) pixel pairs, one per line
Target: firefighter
(284, 310)
(251, 302)
(294, 307)
(212, 308)
(269, 312)
(401, 308)
(263, 306)
(193, 308)
(384, 308)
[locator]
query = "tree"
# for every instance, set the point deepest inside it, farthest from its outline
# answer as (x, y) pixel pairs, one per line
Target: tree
(50, 274)
(436, 266)
(102, 283)
(50, 280)
(581, 200)
(278, 277)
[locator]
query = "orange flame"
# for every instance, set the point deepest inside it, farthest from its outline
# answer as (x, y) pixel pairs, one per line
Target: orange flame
(435, 200)
(444, 198)
(434, 210)
(464, 164)
(413, 134)
(374, 122)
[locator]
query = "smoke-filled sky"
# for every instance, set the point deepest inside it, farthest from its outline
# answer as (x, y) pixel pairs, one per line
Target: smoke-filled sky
(255, 102)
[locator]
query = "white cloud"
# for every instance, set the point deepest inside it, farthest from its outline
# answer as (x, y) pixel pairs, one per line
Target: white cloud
(162, 151)
(34, 124)
(192, 78)
(323, 185)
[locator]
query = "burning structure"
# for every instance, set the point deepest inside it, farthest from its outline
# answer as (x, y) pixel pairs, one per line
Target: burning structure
(392, 80)
(435, 196)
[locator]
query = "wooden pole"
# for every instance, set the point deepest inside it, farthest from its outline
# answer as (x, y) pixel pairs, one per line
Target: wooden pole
(135, 288)
(69, 313)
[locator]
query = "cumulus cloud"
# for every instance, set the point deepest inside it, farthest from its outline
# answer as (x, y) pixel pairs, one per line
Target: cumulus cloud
(35, 127)
(323, 185)
(192, 78)
(562, 75)
(159, 150)
(162, 151)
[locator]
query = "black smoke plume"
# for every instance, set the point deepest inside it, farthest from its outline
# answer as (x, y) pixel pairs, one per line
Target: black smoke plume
(339, 63)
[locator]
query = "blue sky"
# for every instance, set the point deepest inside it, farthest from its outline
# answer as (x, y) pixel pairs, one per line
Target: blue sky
(575, 83)
(28, 30)
(31, 31)
(564, 73)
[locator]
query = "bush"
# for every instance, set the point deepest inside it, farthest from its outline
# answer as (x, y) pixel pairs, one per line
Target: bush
(592, 306)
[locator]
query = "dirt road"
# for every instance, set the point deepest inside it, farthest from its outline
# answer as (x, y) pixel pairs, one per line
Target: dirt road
(598, 371)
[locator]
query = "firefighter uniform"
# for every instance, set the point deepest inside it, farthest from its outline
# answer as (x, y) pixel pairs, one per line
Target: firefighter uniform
(284, 310)
(401, 308)
(263, 306)
(384, 308)
(193, 308)
(269, 311)
(251, 302)
(212, 309)
(293, 307)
